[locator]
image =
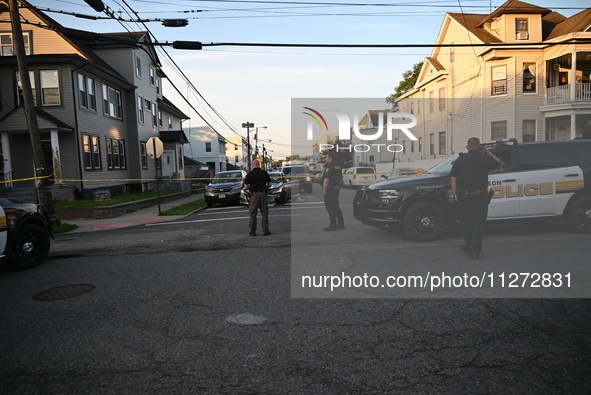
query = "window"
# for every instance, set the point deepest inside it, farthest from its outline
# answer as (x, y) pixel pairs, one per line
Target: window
(404, 146)
(169, 122)
(116, 154)
(529, 78)
(19, 88)
(371, 159)
(92, 156)
(521, 29)
(154, 115)
(431, 102)
(140, 109)
(138, 67)
(540, 158)
(86, 92)
(207, 147)
(441, 143)
(529, 130)
(431, 144)
(6, 44)
(159, 117)
(158, 85)
(144, 155)
(236, 159)
(498, 130)
(50, 88)
(442, 99)
(112, 102)
(152, 76)
(420, 144)
(412, 108)
(499, 80)
(148, 105)
(180, 156)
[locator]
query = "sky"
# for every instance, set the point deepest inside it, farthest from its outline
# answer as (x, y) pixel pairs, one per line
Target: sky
(257, 84)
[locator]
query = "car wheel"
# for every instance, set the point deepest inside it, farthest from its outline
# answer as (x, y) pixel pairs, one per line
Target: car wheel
(29, 248)
(578, 216)
(309, 189)
(423, 221)
(209, 204)
(283, 198)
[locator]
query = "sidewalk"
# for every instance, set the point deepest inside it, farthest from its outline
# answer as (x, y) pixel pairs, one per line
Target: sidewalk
(146, 215)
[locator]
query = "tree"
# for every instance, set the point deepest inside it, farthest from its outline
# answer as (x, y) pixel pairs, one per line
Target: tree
(409, 78)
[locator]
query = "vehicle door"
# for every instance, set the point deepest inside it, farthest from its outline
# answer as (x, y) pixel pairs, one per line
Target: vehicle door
(547, 181)
(504, 181)
(3, 231)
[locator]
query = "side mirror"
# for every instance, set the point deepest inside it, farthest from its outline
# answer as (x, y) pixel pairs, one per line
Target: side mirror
(385, 177)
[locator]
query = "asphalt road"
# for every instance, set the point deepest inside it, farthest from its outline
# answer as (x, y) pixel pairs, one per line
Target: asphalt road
(197, 306)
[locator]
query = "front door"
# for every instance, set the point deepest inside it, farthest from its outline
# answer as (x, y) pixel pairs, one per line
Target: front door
(167, 164)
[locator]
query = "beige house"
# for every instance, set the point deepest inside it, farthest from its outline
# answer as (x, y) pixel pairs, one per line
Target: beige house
(524, 74)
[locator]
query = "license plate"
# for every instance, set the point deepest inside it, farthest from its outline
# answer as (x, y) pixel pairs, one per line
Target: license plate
(222, 196)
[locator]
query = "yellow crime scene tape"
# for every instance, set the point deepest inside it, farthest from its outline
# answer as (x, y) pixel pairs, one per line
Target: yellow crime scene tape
(152, 179)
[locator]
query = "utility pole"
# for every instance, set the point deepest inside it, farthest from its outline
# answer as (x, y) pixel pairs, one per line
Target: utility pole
(248, 125)
(43, 193)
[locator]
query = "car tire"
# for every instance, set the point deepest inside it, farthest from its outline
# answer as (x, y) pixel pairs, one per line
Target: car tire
(29, 248)
(578, 216)
(309, 189)
(209, 204)
(423, 221)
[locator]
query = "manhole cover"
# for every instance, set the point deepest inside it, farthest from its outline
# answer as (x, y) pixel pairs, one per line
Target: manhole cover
(246, 319)
(64, 292)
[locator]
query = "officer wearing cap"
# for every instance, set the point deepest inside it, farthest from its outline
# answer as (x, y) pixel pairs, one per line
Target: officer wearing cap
(258, 181)
(331, 184)
(469, 182)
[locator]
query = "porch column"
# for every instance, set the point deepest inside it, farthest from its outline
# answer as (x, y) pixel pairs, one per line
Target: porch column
(573, 78)
(7, 158)
(56, 157)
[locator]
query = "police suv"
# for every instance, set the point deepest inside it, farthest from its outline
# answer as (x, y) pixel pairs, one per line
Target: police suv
(543, 179)
(25, 230)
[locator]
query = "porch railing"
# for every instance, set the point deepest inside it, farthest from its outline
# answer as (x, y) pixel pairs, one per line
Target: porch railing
(562, 94)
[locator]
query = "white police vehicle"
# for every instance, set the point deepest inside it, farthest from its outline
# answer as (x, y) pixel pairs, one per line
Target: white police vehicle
(25, 231)
(543, 179)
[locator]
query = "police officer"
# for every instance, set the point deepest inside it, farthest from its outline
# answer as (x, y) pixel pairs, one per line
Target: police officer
(331, 184)
(469, 182)
(258, 181)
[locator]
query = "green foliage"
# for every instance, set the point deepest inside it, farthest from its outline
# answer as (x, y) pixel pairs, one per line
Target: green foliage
(132, 197)
(409, 78)
(186, 208)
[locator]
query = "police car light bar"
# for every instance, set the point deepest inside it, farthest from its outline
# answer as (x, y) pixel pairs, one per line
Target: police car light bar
(497, 143)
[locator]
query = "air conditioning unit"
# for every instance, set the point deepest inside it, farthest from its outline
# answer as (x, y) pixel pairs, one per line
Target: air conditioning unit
(522, 35)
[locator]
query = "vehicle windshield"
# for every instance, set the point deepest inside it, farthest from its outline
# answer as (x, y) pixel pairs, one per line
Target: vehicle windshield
(443, 167)
(221, 178)
(295, 169)
(365, 170)
(276, 179)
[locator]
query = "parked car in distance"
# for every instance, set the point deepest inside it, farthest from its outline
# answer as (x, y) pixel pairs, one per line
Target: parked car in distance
(395, 174)
(25, 232)
(301, 174)
(359, 176)
(226, 187)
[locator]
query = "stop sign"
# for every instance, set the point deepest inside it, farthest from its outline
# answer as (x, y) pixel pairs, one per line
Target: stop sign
(154, 147)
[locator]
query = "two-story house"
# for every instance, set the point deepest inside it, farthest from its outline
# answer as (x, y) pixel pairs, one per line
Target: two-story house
(98, 99)
(526, 75)
(236, 152)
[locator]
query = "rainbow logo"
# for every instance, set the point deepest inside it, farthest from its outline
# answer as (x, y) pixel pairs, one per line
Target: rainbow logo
(318, 118)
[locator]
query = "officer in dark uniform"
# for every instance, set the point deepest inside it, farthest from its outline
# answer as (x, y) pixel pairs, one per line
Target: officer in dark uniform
(469, 182)
(258, 181)
(332, 179)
